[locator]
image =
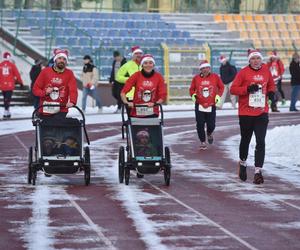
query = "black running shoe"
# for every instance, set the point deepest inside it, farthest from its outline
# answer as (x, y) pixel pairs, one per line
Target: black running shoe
(242, 172)
(258, 179)
(210, 139)
(138, 175)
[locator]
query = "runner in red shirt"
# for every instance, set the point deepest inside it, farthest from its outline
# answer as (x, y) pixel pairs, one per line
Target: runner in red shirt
(9, 75)
(206, 90)
(253, 85)
(56, 85)
(149, 89)
(277, 69)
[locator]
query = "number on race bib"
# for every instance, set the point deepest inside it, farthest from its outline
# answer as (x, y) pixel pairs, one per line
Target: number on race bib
(202, 109)
(49, 109)
(144, 111)
(257, 100)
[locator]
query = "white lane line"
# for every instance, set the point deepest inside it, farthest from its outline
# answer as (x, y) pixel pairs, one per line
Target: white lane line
(93, 226)
(234, 180)
(224, 230)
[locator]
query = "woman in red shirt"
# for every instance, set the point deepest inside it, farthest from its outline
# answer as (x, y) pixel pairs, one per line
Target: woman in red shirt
(254, 84)
(149, 89)
(9, 75)
(205, 90)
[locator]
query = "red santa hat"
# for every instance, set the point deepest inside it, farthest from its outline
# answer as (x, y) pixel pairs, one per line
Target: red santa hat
(254, 52)
(204, 64)
(6, 55)
(222, 59)
(136, 49)
(273, 54)
(147, 58)
(61, 53)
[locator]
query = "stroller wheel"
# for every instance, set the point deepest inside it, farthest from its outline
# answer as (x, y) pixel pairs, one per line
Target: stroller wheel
(87, 175)
(167, 168)
(127, 175)
(121, 164)
(29, 176)
(33, 173)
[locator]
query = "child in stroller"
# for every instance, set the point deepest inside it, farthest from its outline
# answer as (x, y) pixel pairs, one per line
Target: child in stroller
(143, 145)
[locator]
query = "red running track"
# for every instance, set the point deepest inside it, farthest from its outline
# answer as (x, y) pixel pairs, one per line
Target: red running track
(205, 207)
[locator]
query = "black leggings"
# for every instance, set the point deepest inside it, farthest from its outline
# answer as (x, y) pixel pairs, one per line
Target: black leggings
(116, 92)
(202, 118)
(279, 88)
(258, 125)
(7, 98)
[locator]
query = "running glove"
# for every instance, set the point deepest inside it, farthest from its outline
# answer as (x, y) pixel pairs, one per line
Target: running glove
(217, 99)
(194, 96)
(252, 88)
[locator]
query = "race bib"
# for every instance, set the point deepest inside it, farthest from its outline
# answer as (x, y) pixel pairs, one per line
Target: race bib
(202, 109)
(49, 109)
(5, 71)
(144, 111)
(257, 100)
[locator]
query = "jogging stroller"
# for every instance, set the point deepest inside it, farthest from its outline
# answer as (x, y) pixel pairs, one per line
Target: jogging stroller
(59, 147)
(145, 151)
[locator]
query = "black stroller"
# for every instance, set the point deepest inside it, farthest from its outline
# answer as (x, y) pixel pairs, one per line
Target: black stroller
(59, 147)
(145, 149)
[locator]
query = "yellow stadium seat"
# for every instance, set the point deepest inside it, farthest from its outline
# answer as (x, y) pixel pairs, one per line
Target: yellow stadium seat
(248, 18)
(227, 18)
(297, 18)
(253, 34)
(237, 18)
(240, 26)
(268, 18)
(277, 43)
(264, 34)
(284, 34)
(267, 43)
(231, 26)
(261, 26)
(244, 34)
(274, 34)
(271, 26)
(258, 18)
(257, 43)
(251, 26)
(282, 26)
(287, 43)
(218, 18)
(279, 18)
(292, 26)
(289, 18)
(294, 34)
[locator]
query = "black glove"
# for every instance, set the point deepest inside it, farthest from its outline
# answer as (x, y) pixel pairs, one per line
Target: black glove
(252, 88)
(271, 96)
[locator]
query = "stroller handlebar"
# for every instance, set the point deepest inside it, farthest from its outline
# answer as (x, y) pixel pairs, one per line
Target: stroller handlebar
(146, 106)
(34, 113)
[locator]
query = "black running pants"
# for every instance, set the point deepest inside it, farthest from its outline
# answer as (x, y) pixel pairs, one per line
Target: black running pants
(202, 118)
(258, 125)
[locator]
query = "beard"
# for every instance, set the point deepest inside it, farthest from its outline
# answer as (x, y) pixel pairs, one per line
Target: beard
(61, 65)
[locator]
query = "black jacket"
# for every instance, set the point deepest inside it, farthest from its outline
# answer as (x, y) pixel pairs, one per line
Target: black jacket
(228, 73)
(112, 74)
(295, 73)
(34, 73)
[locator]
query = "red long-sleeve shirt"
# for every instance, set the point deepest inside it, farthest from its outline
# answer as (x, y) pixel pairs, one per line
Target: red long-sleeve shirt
(9, 74)
(276, 68)
(206, 88)
(246, 77)
(147, 89)
(64, 84)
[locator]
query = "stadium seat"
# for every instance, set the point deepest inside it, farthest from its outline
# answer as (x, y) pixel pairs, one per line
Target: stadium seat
(218, 18)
